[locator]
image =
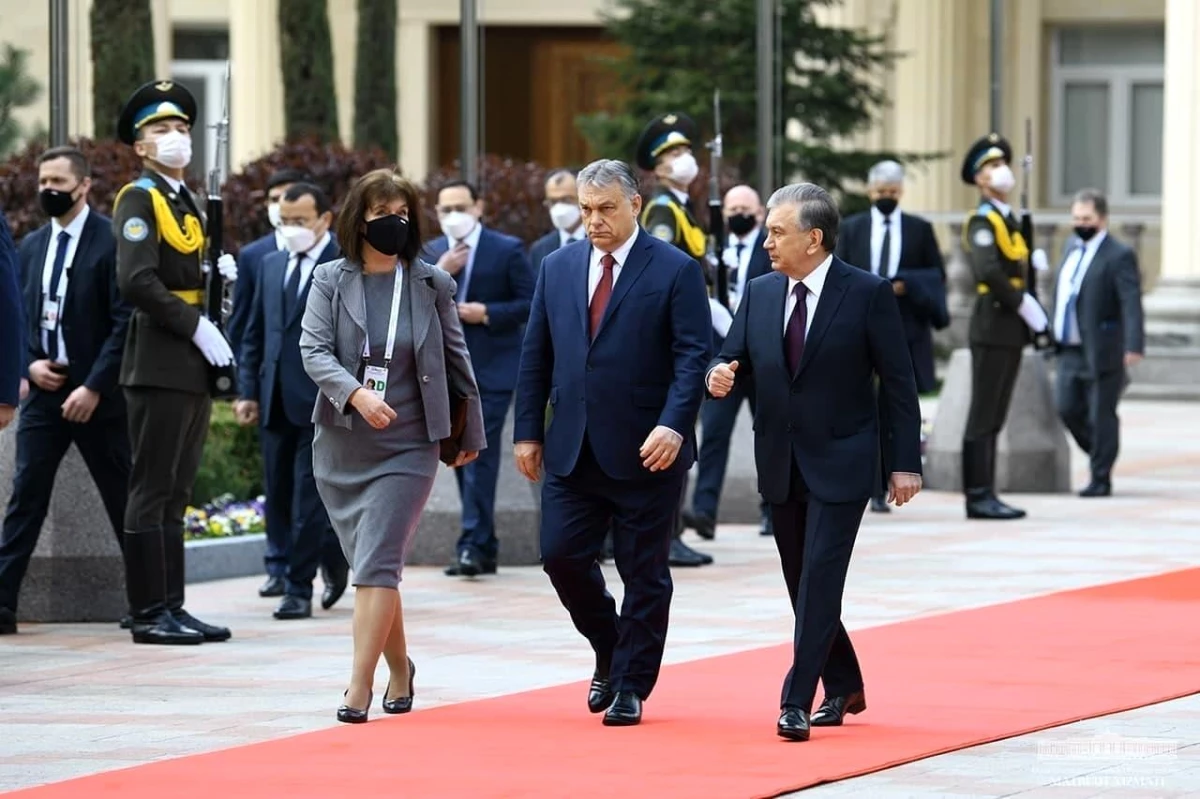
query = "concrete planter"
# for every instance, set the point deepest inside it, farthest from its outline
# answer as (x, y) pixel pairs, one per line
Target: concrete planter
(222, 558)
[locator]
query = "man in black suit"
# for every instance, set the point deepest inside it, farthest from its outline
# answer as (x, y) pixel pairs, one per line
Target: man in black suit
(1099, 329)
(277, 391)
(12, 348)
(562, 203)
(813, 337)
(903, 249)
(76, 323)
(746, 259)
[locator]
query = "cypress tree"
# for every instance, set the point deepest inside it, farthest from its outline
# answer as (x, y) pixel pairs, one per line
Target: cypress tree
(306, 56)
(375, 77)
(122, 58)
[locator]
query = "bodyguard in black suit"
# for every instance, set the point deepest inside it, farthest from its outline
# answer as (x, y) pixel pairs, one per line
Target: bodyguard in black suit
(75, 333)
(813, 338)
(12, 347)
(562, 203)
(1099, 329)
(277, 391)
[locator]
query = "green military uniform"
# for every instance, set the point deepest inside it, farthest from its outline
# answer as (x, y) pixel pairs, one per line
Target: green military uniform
(999, 258)
(159, 229)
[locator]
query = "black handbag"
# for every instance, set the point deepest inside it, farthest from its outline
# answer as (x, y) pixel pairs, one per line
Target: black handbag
(451, 446)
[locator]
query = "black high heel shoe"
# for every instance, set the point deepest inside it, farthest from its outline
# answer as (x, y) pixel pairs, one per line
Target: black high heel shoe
(401, 704)
(352, 715)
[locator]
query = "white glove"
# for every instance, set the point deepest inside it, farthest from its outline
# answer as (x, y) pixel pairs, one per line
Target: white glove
(226, 265)
(1032, 312)
(212, 344)
(721, 318)
(1039, 261)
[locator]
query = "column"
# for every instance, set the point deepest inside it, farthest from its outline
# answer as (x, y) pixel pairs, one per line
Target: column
(256, 102)
(414, 113)
(343, 35)
(160, 23)
(79, 101)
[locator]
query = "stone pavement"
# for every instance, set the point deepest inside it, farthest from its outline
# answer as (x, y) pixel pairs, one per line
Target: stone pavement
(78, 699)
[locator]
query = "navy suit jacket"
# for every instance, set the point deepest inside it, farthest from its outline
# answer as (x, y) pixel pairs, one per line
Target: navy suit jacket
(502, 280)
(271, 359)
(248, 261)
(826, 417)
(12, 336)
(94, 317)
(644, 369)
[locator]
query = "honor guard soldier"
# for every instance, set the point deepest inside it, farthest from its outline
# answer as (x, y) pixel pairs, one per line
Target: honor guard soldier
(159, 228)
(665, 148)
(999, 330)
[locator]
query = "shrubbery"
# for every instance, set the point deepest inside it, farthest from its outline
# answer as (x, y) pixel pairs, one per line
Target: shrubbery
(232, 462)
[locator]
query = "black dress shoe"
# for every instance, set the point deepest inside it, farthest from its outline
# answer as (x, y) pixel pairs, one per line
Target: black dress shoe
(126, 621)
(792, 724)
(983, 504)
(879, 505)
(625, 710)
(1097, 488)
(766, 526)
(8, 622)
(294, 607)
(274, 586)
(336, 580)
(401, 704)
(683, 555)
(705, 526)
(834, 709)
(600, 694)
(211, 632)
(470, 565)
(165, 630)
(352, 715)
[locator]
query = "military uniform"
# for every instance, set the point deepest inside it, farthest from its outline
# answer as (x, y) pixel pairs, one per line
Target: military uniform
(999, 258)
(159, 229)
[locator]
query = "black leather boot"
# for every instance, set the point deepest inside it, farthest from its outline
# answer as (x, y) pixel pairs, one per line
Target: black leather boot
(145, 581)
(176, 577)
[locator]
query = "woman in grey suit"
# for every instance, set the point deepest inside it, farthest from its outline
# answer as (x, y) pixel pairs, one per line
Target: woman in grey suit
(381, 337)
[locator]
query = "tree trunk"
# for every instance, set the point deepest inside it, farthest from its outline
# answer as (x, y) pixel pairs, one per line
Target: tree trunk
(375, 77)
(122, 58)
(306, 55)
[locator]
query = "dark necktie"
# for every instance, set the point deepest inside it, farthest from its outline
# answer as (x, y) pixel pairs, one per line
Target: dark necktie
(885, 250)
(60, 262)
(291, 289)
(733, 273)
(794, 338)
(602, 293)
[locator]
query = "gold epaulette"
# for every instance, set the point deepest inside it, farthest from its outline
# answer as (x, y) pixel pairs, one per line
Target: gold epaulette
(694, 237)
(1016, 282)
(1012, 245)
(186, 240)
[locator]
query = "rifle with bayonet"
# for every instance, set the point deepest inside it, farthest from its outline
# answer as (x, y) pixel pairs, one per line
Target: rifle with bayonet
(1042, 340)
(716, 220)
(222, 383)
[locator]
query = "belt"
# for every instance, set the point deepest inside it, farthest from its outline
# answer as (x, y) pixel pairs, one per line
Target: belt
(1015, 282)
(190, 296)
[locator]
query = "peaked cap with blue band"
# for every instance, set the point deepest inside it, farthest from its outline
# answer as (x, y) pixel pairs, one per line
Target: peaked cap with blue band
(663, 133)
(158, 99)
(990, 148)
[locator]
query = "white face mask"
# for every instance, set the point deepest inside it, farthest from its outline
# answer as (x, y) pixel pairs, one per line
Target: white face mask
(564, 216)
(173, 149)
(684, 169)
(1002, 179)
(297, 238)
(273, 214)
(457, 224)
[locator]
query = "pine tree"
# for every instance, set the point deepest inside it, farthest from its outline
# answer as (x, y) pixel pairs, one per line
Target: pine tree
(17, 90)
(122, 58)
(678, 51)
(306, 53)
(375, 77)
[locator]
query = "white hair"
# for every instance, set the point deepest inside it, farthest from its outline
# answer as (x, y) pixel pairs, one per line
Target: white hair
(886, 172)
(607, 172)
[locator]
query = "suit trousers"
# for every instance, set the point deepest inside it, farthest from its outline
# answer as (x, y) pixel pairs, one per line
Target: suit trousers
(577, 511)
(477, 481)
(718, 417)
(1087, 404)
(43, 438)
(815, 540)
(994, 373)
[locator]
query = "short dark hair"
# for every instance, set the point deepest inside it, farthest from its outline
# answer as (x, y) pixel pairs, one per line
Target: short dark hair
(558, 174)
(378, 186)
(298, 190)
(80, 166)
(816, 210)
(1096, 198)
(283, 176)
(453, 184)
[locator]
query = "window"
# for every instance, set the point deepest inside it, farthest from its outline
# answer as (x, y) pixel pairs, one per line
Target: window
(1107, 110)
(200, 67)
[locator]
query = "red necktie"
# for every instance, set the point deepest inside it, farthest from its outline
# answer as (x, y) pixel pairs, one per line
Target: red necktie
(602, 293)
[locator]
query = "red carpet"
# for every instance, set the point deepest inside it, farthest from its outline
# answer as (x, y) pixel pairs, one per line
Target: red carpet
(933, 685)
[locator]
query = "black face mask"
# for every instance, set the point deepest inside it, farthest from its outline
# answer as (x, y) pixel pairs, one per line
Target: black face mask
(56, 203)
(741, 224)
(886, 205)
(1086, 232)
(388, 234)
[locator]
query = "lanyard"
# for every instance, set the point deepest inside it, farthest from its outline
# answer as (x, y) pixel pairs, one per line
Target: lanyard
(393, 321)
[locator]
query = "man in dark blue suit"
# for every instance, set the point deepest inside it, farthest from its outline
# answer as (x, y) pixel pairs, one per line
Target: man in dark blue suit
(248, 261)
(495, 285)
(812, 338)
(278, 392)
(74, 337)
(12, 348)
(562, 203)
(618, 338)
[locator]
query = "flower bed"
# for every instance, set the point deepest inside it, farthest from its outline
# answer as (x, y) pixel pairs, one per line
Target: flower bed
(223, 518)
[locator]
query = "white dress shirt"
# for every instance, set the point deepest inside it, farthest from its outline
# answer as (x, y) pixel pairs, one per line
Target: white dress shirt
(463, 278)
(1070, 278)
(877, 231)
(565, 238)
(740, 261)
(309, 264)
(596, 271)
(74, 230)
(814, 281)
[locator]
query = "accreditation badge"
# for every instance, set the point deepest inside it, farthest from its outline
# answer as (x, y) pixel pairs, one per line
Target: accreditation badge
(375, 380)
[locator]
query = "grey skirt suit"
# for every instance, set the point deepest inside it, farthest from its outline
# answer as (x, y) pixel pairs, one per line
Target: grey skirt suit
(375, 483)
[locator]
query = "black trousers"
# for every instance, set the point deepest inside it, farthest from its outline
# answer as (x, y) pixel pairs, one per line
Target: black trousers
(815, 540)
(994, 373)
(43, 438)
(1087, 405)
(167, 430)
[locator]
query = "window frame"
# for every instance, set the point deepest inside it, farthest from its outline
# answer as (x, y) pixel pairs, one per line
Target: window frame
(212, 75)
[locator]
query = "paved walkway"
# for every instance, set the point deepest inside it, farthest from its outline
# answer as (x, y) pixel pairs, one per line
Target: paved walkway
(78, 699)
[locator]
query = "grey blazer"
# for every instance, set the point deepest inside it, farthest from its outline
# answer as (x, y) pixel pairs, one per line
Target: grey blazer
(331, 343)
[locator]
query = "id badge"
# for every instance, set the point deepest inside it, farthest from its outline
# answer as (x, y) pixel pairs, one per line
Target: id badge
(375, 380)
(49, 320)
